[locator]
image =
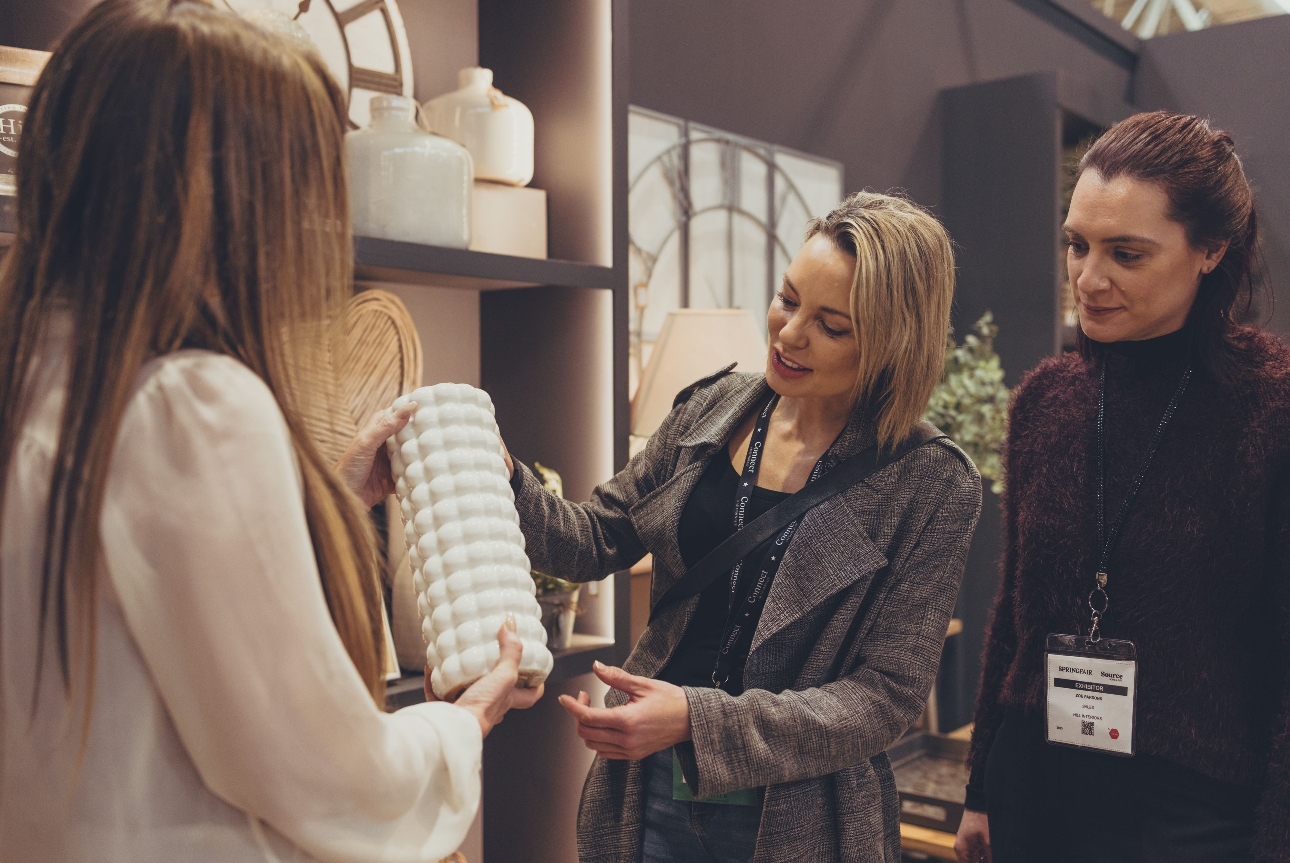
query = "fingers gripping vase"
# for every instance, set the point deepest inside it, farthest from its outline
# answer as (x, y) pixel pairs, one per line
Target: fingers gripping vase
(464, 541)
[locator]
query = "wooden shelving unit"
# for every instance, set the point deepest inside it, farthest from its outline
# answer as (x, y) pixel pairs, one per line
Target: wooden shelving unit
(547, 339)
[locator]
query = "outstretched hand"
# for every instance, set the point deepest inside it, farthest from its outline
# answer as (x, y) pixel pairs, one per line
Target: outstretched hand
(658, 716)
(365, 464)
(491, 696)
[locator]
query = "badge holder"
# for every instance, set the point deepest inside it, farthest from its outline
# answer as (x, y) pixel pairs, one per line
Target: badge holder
(1092, 693)
(681, 791)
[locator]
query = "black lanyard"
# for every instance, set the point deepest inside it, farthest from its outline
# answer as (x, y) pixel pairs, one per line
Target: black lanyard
(1107, 542)
(738, 633)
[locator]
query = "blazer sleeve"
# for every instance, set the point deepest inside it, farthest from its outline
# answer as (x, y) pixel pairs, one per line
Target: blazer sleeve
(762, 738)
(589, 541)
(208, 551)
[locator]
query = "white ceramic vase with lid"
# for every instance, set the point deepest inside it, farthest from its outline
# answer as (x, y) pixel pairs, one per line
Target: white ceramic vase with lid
(406, 183)
(495, 128)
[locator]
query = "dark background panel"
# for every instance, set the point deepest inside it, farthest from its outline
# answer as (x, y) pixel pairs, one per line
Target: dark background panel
(1239, 76)
(858, 82)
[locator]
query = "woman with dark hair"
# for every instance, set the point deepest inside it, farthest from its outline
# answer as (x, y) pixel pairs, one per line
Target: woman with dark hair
(1134, 698)
(190, 630)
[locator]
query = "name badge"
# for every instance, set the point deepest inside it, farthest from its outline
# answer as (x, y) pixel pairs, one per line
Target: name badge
(1092, 693)
(681, 791)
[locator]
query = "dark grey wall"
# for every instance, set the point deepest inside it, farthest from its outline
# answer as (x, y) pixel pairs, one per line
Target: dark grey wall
(855, 81)
(1239, 76)
(858, 82)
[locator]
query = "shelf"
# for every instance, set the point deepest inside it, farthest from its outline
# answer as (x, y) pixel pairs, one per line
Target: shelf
(570, 662)
(381, 260)
(923, 840)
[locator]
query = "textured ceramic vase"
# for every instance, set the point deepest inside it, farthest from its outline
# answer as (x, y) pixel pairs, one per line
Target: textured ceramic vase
(464, 541)
(496, 129)
(405, 183)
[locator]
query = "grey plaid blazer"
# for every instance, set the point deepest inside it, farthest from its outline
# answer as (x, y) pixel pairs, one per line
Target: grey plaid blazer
(844, 655)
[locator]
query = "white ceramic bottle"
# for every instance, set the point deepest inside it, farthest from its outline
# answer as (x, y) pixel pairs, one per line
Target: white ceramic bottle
(496, 129)
(405, 183)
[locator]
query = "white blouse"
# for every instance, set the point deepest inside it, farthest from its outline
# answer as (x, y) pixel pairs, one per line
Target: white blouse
(227, 721)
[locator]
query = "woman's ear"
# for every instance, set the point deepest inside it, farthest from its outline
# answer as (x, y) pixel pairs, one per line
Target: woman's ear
(1213, 257)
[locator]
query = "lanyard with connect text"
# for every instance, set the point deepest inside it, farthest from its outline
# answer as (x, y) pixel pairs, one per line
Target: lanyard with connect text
(1107, 542)
(737, 632)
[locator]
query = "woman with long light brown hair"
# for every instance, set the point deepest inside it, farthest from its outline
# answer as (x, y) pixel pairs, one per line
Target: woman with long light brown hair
(190, 640)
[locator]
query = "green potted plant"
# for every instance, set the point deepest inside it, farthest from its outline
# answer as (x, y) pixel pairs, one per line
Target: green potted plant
(971, 402)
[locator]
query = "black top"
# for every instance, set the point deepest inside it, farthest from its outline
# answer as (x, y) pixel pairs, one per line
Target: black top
(706, 522)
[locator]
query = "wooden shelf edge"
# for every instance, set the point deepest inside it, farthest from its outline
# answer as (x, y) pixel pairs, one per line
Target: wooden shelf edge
(936, 843)
(382, 260)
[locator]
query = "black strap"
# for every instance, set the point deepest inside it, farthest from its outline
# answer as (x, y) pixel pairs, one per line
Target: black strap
(1098, 600)
(725, 556)
(1106, 542)
(742, 617)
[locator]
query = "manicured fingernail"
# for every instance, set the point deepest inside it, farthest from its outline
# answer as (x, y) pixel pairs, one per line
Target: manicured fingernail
(510, 621)
(598, 664)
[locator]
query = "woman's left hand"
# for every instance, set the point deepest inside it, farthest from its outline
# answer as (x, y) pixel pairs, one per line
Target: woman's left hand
(658, 716)
(365, 465)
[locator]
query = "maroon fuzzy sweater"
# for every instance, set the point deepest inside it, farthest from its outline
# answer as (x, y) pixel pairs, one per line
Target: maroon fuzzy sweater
(1200, 580)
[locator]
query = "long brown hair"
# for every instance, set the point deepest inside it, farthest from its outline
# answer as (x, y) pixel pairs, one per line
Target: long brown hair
(180, 185)
(1197, 167)
(901, 294)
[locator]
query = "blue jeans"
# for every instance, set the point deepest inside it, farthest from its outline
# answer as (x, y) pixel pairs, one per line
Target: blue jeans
(680, 831)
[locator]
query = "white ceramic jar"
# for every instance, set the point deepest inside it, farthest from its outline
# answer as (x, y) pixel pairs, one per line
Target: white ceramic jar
(496, 129)
(405, 183)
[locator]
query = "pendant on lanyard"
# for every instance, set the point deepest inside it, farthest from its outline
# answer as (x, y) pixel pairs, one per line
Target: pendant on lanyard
(1092, 681)
(741, 619)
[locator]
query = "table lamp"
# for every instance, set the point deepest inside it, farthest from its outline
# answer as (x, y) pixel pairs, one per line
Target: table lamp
(691, 344)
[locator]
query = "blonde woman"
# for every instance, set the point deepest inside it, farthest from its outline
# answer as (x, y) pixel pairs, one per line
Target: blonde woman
(189, 627)
(750, 721)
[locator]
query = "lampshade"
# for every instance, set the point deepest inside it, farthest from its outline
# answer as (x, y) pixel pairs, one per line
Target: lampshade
(694, 343)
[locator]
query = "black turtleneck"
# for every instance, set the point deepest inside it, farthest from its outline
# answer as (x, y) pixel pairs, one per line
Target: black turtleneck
(708, 520)
(1141, 378)
(1200, 580)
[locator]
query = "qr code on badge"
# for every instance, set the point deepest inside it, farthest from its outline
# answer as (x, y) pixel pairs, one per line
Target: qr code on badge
(1086, 728)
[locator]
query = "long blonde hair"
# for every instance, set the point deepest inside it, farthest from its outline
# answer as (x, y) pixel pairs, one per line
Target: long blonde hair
(181, 184)
(901, 295)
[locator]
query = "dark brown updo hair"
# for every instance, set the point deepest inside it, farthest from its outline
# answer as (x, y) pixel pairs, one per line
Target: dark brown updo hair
(1197, 167)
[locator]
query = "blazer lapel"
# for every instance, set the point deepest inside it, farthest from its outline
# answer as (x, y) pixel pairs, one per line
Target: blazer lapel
(716, 426)
(657, 516)
(830, 550)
